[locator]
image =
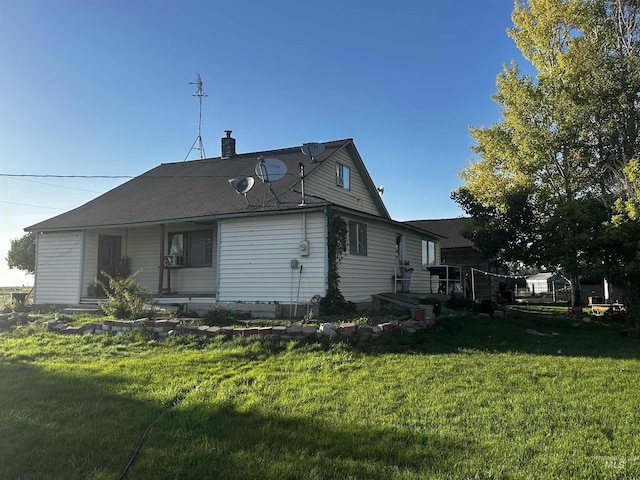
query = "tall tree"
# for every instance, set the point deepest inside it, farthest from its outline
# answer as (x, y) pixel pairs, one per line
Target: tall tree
(620, 241)
(566, 134)
(506, 235)
(22, 254)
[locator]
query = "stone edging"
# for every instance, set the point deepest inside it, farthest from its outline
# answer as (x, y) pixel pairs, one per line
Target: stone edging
(169, 328)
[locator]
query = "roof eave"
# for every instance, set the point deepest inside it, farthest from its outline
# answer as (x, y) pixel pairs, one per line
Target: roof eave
(387, 220)
(170, 221)
(364, 173)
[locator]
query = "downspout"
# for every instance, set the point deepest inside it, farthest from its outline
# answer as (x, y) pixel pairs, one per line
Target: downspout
(295, 311)
(304, 226)
(304, 238)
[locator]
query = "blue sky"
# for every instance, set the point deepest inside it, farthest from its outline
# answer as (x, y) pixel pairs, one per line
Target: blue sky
(102, 88)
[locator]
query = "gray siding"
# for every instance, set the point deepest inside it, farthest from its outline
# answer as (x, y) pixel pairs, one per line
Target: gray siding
(143, 250)
(322, 183)
(256, 254)
(58, 268)
(90, 261)
(421, 280)
(364, 275)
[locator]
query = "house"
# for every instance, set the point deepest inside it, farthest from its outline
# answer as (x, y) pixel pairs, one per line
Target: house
(489, 280)
(546, 282)
(465, 261)
(245, 228)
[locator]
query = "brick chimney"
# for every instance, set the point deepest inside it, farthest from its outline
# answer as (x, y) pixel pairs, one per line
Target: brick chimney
(228, 145)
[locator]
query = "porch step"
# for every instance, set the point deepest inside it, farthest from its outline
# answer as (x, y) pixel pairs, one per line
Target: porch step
(408, 300)
(89, 301)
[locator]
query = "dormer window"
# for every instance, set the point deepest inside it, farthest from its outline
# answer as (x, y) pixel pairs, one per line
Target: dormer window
(343, 176)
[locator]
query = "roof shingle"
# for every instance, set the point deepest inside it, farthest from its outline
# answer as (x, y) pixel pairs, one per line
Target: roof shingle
(195, 189)
(449, 228)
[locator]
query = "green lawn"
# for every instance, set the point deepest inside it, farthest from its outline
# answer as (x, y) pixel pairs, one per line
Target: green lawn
(475, 398)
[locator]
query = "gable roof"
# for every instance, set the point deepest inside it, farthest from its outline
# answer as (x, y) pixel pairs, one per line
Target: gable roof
(200, 189)
(449, 228)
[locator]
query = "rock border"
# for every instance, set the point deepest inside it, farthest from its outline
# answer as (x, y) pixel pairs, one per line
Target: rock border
(174, 328)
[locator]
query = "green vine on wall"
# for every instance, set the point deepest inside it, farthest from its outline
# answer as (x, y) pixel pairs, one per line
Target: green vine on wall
(337, 234)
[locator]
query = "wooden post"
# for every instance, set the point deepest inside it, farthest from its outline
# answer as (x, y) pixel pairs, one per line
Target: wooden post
(473, 285)
(161, 273)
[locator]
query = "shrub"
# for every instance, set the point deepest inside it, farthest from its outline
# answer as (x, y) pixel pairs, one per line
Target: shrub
(336, 305)
(429, 301)
(458, 302)
(220, 316)
(18, 305)
(126, 298)
(142, 335)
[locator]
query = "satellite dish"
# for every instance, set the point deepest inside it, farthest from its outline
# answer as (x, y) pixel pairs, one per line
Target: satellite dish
(270, 169)
(244, 185)
(312, 149)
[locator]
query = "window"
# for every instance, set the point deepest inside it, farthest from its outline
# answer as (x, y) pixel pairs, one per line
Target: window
(357, 238)
(400, 248)
(428, 252)
(343, 176)
(194, 247)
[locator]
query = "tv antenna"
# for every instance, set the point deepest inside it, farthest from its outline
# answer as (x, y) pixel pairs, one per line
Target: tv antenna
(200, 94)
(312, 149)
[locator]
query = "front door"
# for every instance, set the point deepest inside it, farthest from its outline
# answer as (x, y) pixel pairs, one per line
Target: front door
(109, 249)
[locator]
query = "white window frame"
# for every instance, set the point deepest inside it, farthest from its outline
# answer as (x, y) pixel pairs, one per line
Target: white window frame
(357, 238)
(343, 176)
(428, 251)
(192, 245)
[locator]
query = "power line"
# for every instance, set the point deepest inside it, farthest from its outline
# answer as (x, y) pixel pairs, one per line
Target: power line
(54, 185)
(29, 205)
(17, 175)
(63, 176)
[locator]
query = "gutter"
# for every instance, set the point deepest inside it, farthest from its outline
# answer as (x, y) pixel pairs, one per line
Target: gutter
(213, 218)
(201, 219)
(388, 221)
